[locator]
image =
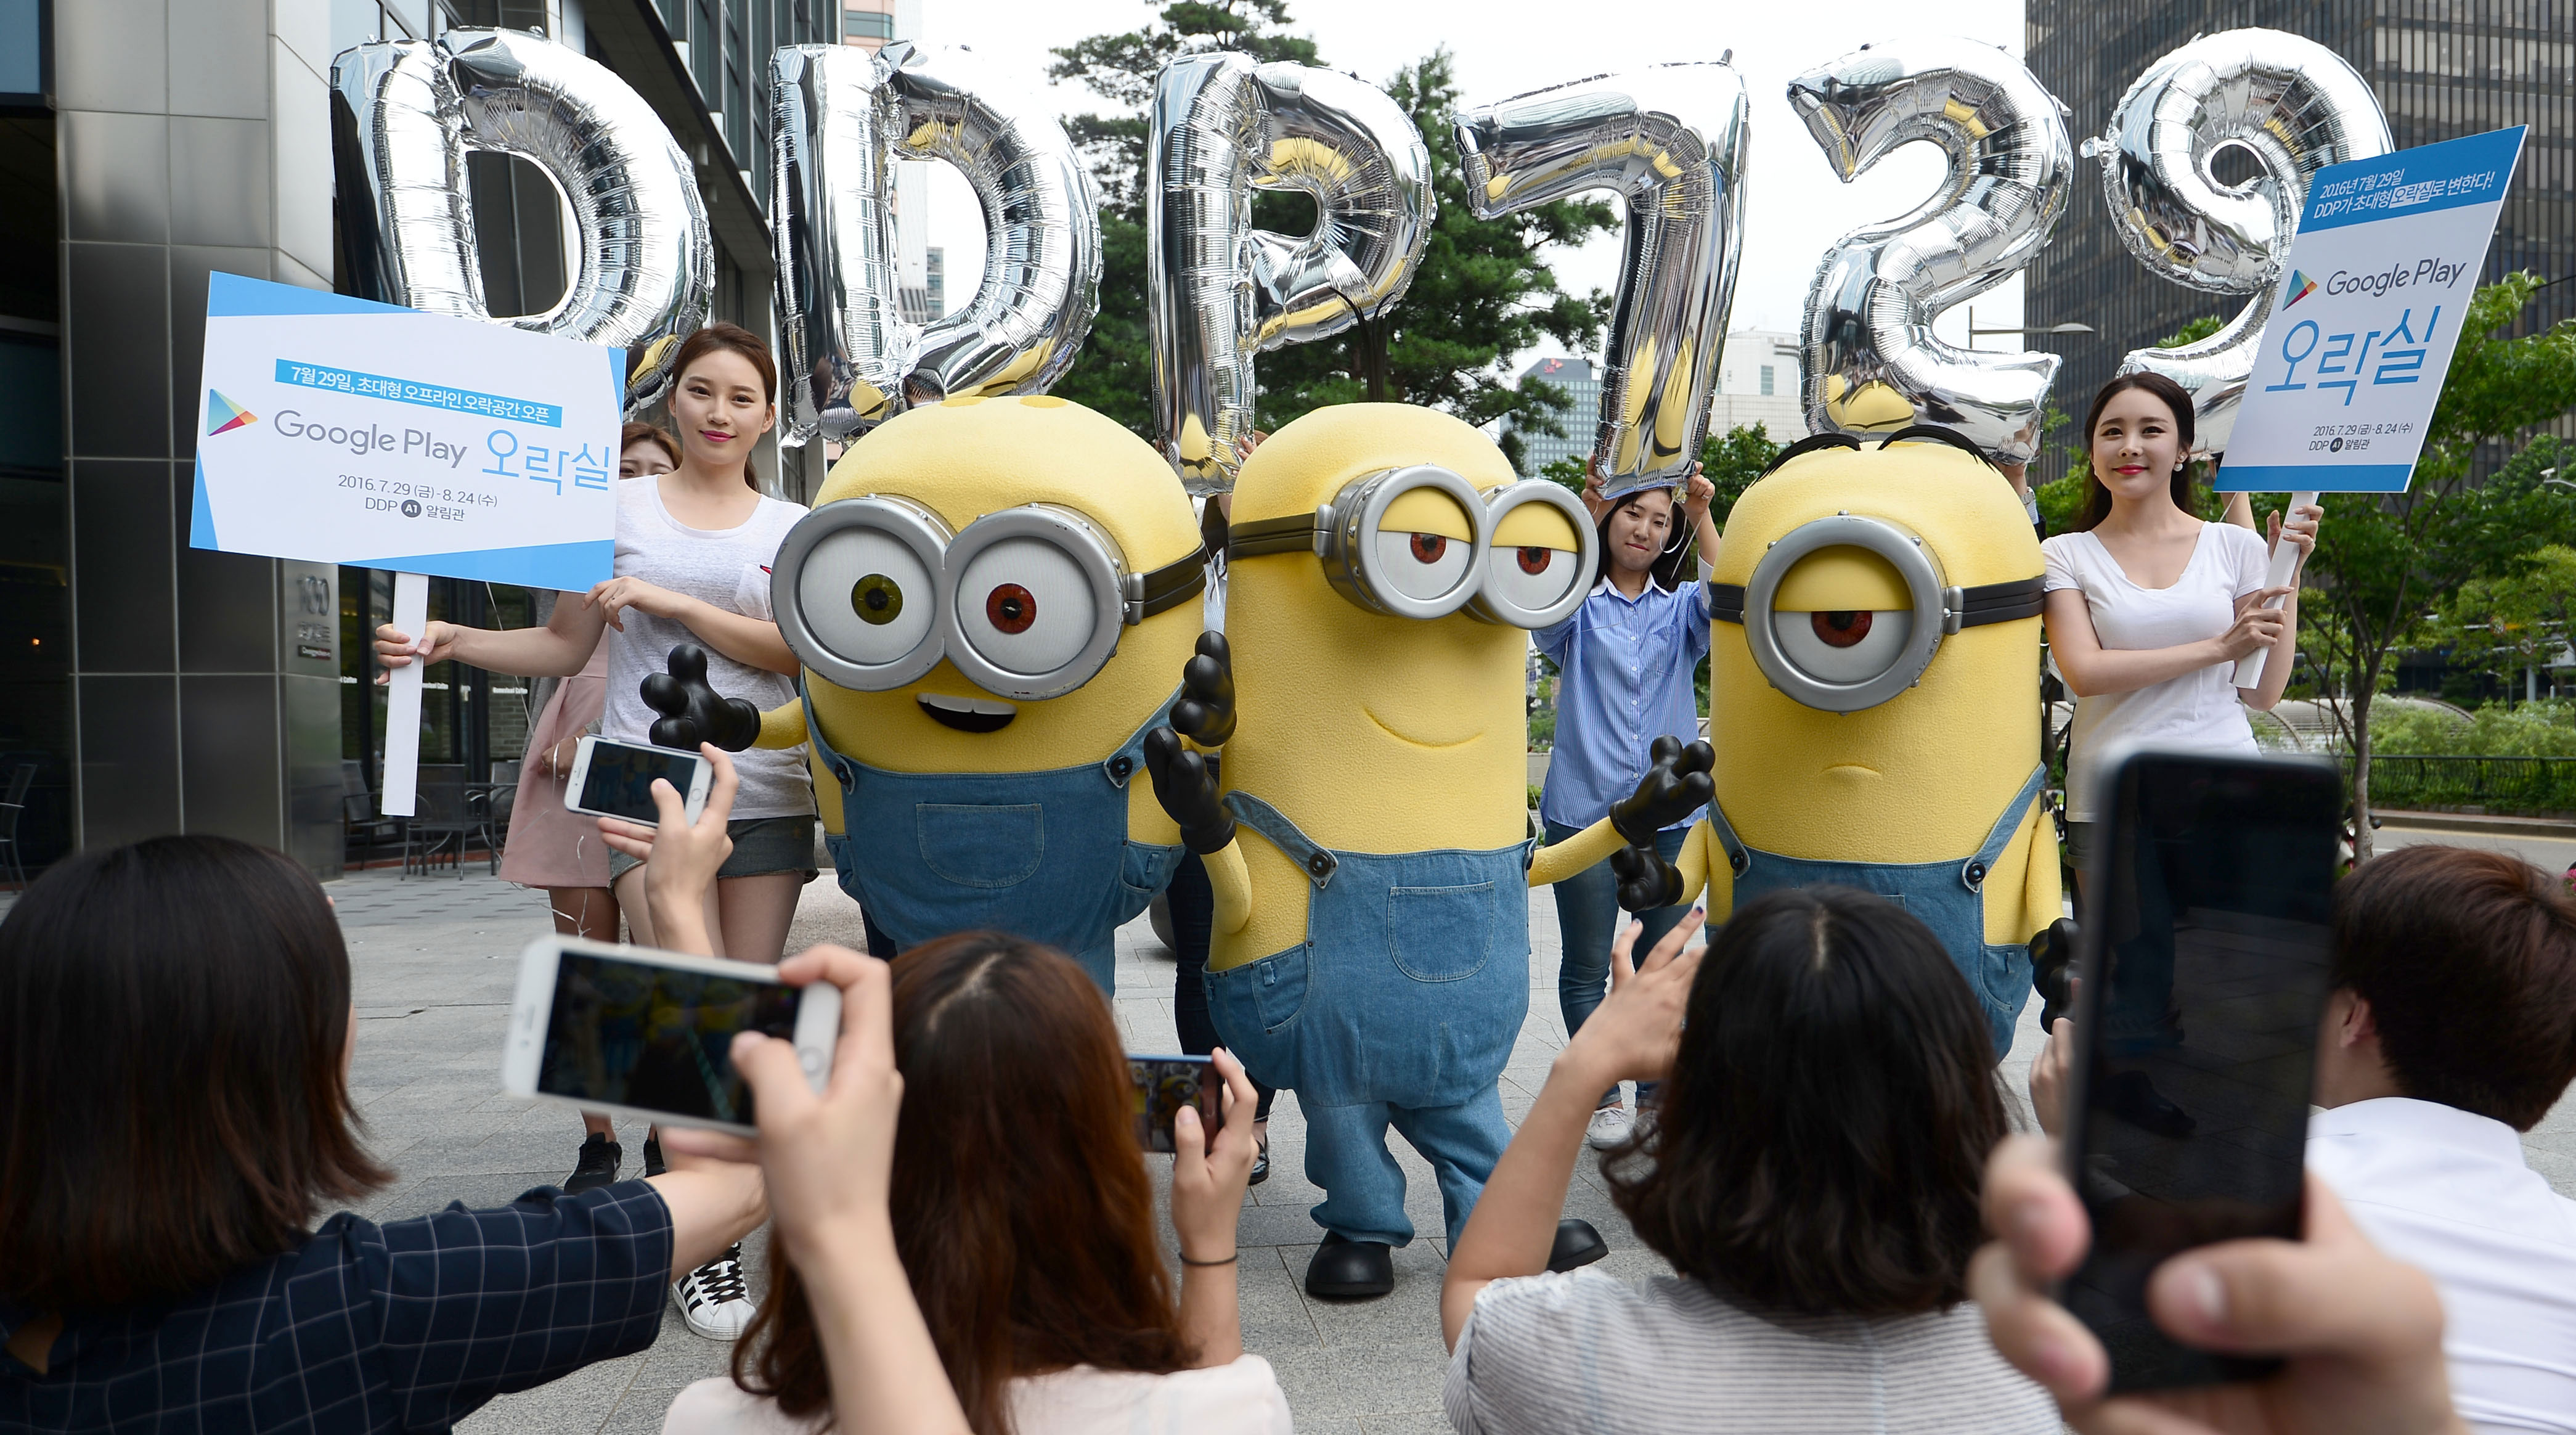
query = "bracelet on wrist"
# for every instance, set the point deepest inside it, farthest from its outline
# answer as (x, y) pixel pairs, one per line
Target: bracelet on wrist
(1229, 1260)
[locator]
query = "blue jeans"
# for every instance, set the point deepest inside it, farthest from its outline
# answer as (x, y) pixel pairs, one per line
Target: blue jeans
(1363, 1188)
(1587, 920)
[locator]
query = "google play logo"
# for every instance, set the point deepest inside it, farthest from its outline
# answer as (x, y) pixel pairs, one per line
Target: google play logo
(223, 415)
(2300, 286)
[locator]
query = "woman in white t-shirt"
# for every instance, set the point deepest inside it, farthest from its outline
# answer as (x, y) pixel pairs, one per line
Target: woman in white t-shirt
(2149, 607)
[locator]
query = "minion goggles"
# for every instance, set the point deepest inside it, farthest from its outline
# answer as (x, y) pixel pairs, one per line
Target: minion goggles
(1377, 559)
(1028, 603)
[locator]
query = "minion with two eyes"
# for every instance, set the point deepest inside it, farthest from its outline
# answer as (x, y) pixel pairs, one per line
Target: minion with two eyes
(1870, 681)
(990, 600)
(1369, 847)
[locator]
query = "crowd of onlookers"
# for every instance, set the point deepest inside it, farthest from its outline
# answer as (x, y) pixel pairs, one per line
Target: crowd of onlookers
(966, 1236)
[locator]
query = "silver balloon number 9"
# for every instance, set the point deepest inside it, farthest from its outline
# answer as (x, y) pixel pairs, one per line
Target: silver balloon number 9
(1672, 140)
(843, 117)
(1872, 362)
(1220, 290)
(2291, 104)
(405, 113)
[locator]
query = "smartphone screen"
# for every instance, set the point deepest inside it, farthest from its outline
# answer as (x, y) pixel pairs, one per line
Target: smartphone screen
(2204, 973)
(620, 779)
(1159, 1086)
(638, 1034)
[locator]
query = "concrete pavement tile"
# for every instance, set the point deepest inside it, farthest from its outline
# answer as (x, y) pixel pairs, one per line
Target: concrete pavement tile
(1348, 1383)
(579, 1401)
(1408, 1316)
(1415, 1422)
(1323, 1427)
(1276, 1314)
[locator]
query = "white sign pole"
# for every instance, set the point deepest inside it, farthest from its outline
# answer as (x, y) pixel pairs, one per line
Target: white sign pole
(2285, 566)
(401, 779)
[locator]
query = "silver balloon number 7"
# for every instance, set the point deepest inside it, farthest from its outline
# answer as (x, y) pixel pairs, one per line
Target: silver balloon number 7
(1671, 139)
(1872, 362)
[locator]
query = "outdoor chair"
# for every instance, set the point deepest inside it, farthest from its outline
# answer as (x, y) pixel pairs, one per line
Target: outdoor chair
(442, 820)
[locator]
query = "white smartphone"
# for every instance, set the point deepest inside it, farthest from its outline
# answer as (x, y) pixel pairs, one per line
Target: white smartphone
(615, 779)
(648, 1034)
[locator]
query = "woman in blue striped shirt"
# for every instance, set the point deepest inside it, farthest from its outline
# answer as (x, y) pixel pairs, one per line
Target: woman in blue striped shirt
(1624, 662)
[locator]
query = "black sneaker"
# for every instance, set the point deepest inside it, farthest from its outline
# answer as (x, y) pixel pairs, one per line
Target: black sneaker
(595, 1167)
(653, 1154)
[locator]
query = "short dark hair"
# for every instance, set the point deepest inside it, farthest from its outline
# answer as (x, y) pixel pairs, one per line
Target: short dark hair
(1667, 570)
(2468, 961)
(1821, 1138)
(2177, 400)
(173, 1016)
(719, 337)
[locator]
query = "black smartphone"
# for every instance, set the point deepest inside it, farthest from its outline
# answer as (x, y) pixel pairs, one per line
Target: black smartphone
(2202, 965)
(1159, 1086)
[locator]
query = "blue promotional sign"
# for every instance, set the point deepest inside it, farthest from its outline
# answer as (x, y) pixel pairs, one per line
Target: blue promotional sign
(2368, 314)
(341, 431)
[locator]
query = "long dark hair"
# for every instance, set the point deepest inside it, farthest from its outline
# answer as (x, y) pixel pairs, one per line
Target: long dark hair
(1667, 570)
(1840, 1184)
(2097, 499)
(721, 337)
(1021, 1208)
(173, 1019)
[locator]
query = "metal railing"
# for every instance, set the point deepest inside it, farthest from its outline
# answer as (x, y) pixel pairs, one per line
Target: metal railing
(2518, 786)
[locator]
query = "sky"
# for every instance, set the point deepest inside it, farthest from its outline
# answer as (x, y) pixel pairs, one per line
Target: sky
(1794, 205)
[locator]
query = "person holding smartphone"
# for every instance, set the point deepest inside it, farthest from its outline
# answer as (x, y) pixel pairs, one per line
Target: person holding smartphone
(1624, 663)
(694, 548)
(2148, 607)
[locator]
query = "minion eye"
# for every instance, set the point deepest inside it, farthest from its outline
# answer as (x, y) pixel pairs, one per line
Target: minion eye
(1025, 606)
(866, 596)
(1530, 579)
(1843, 645)
(1422, 566)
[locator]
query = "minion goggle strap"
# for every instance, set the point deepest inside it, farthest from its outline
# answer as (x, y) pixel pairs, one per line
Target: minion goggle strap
(1028, 603)
(1846, 659)
(1423, 542)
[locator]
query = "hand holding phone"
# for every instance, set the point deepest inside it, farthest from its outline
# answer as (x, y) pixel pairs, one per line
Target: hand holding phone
(1212, 1162)
(2361, 1334)
(615, 779)
(683, 853)
(1161, 1087)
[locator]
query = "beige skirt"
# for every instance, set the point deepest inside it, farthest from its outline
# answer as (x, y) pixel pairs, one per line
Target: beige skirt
(549, 846)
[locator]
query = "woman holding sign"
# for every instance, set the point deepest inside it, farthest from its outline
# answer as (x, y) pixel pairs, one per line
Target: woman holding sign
(2149, 607)
(694, 547)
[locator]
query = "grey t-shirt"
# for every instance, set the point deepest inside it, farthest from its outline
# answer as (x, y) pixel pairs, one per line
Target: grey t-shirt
(729, 569)
(1585, 1351)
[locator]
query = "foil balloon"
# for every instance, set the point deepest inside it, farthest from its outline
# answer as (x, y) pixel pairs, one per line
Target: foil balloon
(405, 113)
(1671, 139)
(1872, 362)
(2290, 103)
(843, 118)
(1219, 290)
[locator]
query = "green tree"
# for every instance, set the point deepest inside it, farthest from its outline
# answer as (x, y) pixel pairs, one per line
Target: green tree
(2383, 560)
(2507, 625)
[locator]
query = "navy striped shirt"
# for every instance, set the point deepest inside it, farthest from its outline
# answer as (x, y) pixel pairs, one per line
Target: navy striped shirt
(405, 1326)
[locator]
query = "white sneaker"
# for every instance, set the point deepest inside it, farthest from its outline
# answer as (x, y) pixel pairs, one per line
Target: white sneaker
(1644, 1125)
(1609, 1127)
(713, 1298)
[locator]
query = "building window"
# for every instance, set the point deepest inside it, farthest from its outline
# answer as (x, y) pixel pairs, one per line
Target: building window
(867, 25)
(1766, 379)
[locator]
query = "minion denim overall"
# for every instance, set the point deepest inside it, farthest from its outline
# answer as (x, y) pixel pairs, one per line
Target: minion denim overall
(1949, 897)
(1042, 855)
(1400, 1008)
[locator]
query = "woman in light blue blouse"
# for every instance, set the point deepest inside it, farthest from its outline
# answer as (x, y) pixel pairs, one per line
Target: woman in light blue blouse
(1624, 664)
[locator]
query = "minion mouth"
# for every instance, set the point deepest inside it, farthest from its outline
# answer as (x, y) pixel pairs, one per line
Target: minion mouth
(967, 714)
(1415, 741)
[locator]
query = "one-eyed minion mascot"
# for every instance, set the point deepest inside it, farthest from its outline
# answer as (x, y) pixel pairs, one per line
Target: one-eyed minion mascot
(1870, 685)
(992, 599)
(1371, 944)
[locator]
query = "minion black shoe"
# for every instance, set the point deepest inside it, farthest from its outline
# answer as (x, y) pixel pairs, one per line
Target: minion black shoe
(595, 1167)
(1577, 1244)
(1350, 1270)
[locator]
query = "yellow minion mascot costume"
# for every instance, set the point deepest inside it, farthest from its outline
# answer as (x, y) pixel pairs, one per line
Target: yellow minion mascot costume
(987, 589)
(1870, 685)
(1371, 943)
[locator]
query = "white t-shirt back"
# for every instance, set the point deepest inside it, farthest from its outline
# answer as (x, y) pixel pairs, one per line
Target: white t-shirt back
(1242, 1398)
(729, 569)
(2198, 710)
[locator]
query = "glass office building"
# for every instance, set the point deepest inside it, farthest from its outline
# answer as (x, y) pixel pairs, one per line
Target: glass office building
(2441, 69)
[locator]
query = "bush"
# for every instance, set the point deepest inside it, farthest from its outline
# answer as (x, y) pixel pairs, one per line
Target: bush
(2546, 728)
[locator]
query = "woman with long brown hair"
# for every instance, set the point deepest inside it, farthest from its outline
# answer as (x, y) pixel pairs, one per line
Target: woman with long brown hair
(1025, 1222)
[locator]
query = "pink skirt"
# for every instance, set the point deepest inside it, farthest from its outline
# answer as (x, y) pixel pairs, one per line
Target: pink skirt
(549, 846)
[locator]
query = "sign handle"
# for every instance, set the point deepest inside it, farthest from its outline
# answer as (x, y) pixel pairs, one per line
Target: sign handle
(2285, 565)
(402, 705)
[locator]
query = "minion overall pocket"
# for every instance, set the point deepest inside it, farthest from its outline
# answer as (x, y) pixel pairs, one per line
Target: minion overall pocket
(981, 846)
(1256, 1007)
(1441, 934)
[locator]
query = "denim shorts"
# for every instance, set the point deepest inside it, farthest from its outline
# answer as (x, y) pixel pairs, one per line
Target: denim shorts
(2079, 845)
(761, 846)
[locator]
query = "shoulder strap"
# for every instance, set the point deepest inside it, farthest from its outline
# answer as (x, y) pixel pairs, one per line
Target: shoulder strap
(1973, 872)
(1122, 764)
(1318, 864)
(1738, 857)
(833, 762)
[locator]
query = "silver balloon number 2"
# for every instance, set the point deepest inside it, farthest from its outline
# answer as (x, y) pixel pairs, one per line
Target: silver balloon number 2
(1671, 139)
(405, 113)
(1220, 290)
(1872, 362)
(843, 118)
(2291, 104)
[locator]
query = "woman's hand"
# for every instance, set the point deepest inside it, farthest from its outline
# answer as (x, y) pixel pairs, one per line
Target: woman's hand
(1633, 1034)
(2362, 1333)
(2049, 1072)
(1593, 479)
(1208, 1181)
(1698, 493)
(615, 596)
(556, 761)
(2257, 625)
(2301, 530)
(396, 649)
(680, 857)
